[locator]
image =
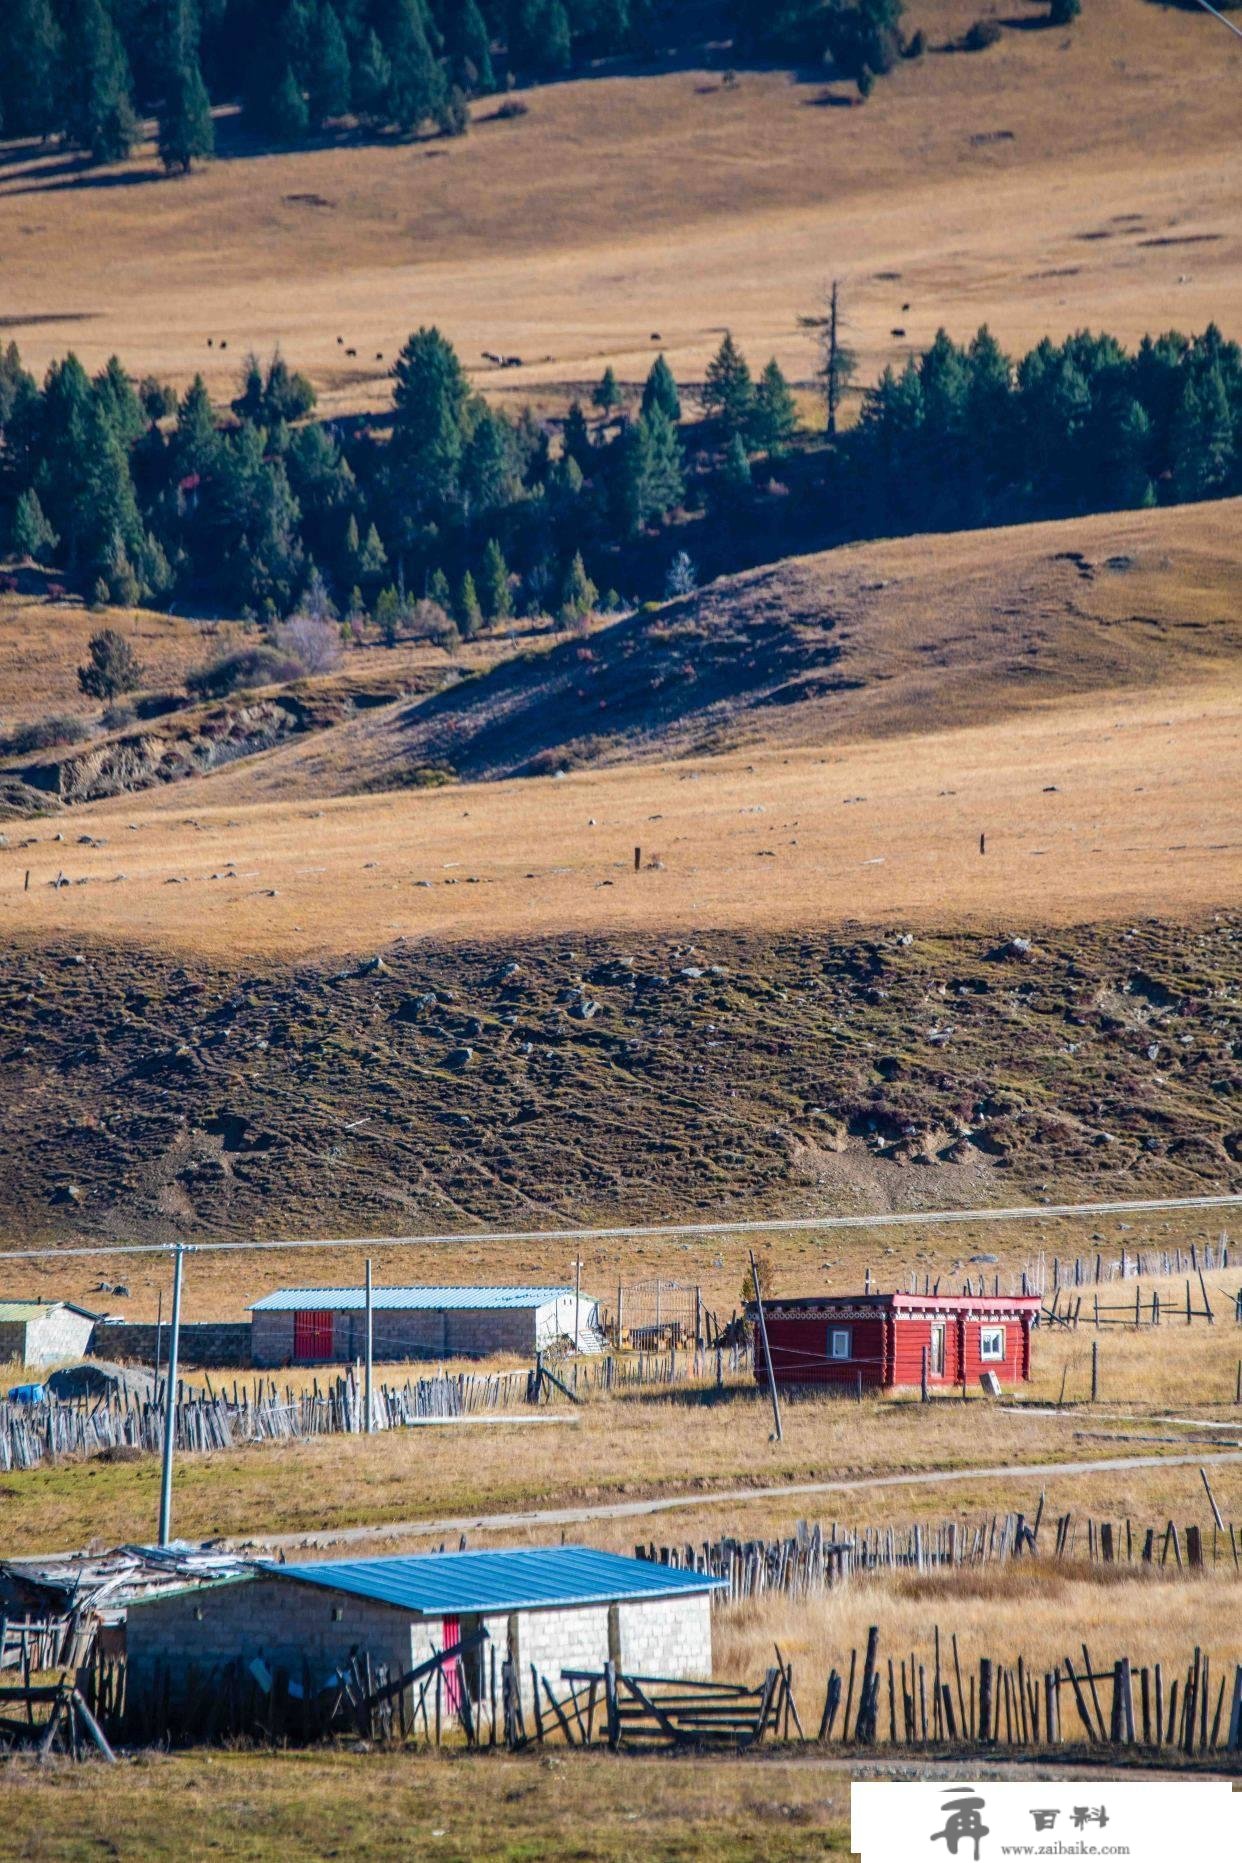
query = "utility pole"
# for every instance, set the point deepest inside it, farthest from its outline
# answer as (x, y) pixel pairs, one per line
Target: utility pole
(577, 1296)
(767, 1356)
(369, 1425)
(170, 1399)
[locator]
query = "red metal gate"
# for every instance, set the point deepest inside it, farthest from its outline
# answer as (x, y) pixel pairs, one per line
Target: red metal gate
(312, 1334)
(450, 1634)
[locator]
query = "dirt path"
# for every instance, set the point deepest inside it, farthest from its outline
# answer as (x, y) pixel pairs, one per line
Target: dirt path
(671, 1503)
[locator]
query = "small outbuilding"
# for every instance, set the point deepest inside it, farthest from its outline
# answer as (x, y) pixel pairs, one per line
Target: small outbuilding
(39, 1332)
(558, 1607)
(327, 1325)
(879, 1339)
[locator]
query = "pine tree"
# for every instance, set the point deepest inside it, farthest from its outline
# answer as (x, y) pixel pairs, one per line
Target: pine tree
(494, 590)
(735, 471)
(539, 36)
(660, 390)
(430, 401)
(32, 535)
(576, 436)
(374, 558)
(416, 84)
(31, 88)
(287, 115)
(186, 133)
(1201, 439)
(579, 594)
(372, 78)
(728, 391)
(775, 416)
(113, 667)
(100, 116)
(438, 590)
(466, 610)
(469, 46)
(115, 396)
(329, 73)
(606, 394)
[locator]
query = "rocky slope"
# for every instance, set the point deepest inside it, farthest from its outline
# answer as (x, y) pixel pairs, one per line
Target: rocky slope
(432, 1087)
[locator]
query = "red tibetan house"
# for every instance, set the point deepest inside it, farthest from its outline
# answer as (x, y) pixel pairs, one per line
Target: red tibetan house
(879, 1339)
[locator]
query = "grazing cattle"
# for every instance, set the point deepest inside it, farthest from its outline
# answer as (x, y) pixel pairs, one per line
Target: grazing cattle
(897, 332)
(223, 344)
(655, 336)
(511, 362)
(340, 339)
(211, 342)
(905, 307)
(351, 352)
(379, 355)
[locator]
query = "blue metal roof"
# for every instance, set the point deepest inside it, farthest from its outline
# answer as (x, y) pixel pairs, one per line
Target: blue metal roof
(525, 1578)
(407, 1299)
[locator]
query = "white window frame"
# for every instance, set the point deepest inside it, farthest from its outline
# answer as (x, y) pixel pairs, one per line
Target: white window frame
(991, 1332)
(834, 1334)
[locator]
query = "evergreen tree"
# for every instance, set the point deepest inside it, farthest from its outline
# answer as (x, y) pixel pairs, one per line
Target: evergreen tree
(115, 396)
(416, 83)
(660, 390)
(735, 470)
(100, 117)
(288, 116)
(32, 535)
(649, 480)
(31, 71)
(775, 416)
(469, 46)
(372, 78)
(1063, 12)
(606, 394)
(466, 610)
(489, 462)
(1201, 439)
(430, 402)
(438, 590)
(576, 436)
(186, 133)
(329, 73)
(196, 440)
(728, 391)
(539, 36)
(494, 590)
(113, 667)
(374, 558)
(579, 595)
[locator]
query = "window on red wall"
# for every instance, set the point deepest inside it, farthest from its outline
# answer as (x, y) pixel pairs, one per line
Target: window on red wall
(991, 1343)
(840, 1342)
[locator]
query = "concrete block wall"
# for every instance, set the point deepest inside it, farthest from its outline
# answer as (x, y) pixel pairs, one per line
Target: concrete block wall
(210, 1343)
(275, 1618)
(398, 1335)
(667, 1636)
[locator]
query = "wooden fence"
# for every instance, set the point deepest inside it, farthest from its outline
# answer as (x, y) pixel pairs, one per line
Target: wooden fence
(32, 1434)
(813, 1561)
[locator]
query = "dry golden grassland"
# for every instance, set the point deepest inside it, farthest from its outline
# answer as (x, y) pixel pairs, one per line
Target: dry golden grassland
(1059, 179)
(557, 856)
(1156, 1387)
(260, 1807)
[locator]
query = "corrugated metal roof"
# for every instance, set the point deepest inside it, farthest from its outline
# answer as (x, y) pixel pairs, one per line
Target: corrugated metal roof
(448, 1584)
(407, 1299)
(33, 1309)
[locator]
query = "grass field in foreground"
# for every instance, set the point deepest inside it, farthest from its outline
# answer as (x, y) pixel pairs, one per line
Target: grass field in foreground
(260, 1807)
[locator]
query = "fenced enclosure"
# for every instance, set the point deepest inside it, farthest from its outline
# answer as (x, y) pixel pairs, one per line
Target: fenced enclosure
(654, 1315)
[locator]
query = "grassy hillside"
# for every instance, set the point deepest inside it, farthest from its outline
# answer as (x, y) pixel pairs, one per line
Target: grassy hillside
(543, 1080)
(1057, 179)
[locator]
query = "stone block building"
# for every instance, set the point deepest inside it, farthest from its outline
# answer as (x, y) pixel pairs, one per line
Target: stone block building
(562, 1607)
(44, 1332)
(327, 1325)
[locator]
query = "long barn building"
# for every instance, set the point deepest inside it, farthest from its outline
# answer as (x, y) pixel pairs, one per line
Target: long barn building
(878, 1340)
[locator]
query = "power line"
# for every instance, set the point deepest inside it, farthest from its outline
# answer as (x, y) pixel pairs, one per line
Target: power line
(785, 1225)
(1235, 30)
